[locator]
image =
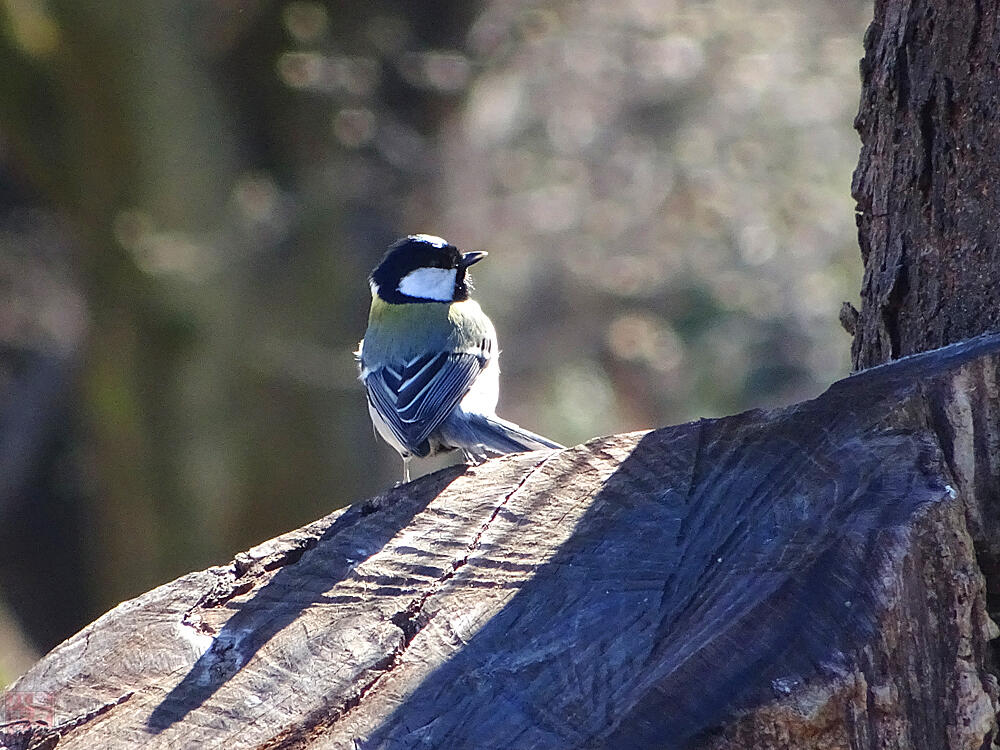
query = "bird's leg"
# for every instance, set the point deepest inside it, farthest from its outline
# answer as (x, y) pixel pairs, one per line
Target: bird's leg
(406, 469)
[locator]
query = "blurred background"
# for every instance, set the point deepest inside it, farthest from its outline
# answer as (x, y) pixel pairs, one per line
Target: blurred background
(192, 194)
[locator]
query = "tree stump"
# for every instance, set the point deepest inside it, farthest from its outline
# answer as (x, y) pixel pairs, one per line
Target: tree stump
(798, 578)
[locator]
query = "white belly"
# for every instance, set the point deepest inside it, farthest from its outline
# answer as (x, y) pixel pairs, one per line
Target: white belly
(485, 391)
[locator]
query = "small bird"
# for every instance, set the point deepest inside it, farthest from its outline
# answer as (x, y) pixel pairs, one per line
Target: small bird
(429, 358)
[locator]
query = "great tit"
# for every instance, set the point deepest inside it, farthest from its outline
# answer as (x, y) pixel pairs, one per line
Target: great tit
(429, 358)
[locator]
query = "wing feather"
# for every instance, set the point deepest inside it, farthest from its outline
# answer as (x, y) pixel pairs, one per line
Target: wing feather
(412, 390)
(414, 398)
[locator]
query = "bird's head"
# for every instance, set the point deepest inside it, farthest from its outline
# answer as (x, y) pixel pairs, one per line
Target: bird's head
(423, 268)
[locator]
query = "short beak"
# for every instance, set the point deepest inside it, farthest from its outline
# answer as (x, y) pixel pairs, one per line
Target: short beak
(469, 258)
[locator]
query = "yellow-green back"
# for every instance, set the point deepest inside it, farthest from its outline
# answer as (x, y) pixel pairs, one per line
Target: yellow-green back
(401, 332)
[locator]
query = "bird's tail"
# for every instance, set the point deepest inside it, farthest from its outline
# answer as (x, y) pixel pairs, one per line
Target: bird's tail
(493, 434)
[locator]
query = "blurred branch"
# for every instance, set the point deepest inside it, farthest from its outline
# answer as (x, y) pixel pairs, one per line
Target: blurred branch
(38, 388)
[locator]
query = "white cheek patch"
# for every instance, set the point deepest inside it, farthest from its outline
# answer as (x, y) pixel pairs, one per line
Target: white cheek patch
(437, 284)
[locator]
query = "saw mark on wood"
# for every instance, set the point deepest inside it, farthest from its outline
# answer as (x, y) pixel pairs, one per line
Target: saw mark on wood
(410, 623)
(93, 714)
(271, 608)
(41, 737)
(410, 620)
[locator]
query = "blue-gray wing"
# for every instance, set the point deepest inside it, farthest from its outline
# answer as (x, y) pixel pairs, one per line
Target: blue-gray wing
(413, 398)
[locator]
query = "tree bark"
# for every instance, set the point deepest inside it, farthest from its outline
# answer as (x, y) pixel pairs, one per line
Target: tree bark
(799, 578)
(928, 179)
(928, 193)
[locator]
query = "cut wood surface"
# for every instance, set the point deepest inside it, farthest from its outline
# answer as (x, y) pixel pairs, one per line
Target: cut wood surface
(802, 577)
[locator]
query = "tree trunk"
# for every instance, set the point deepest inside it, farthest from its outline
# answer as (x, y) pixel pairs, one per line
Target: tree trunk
(928, 193)
(928, 180)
